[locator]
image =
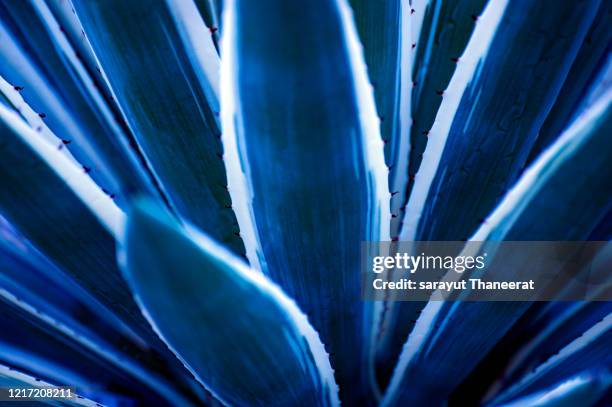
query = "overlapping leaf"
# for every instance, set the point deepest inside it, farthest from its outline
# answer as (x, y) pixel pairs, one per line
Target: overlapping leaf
(384, 30)
(163, 68)
(50, 75)
(237, 332)
(442, 348)
(504, 84)
(592, 58)
(306, 159)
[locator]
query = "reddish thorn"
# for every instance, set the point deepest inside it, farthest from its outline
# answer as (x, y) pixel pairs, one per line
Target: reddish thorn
(86, 169)
(105, 191)
(42, 115)
(112, 196)
(411, 177)
(394, 193)
(236, 234)
(440, 92)
(412, 11)
(18, 88)
(474, 17)
(213, 30)
(414, 45)
(66, 141)
(393, 215)
(425, 133)
(61, 29)
(414, 84)
(385, 141)
(395, 239)
(455, 60)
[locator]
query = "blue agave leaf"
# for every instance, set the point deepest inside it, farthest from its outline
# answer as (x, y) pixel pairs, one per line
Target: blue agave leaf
(17, 70)
(418, 10)
(31, 277)
(552, 328)
(384, 30)
(442, 349)
(306, 161)
(43, 294)
(584, 389)
(446, 29)
(599, 86)
(163, 69)
(505, 84)
(64, 214)
(64, 13)
(212, 17)
(10, 377)
(55, 82)
(41, 348)
(488, 119)
(238, 333)
(593, 54)
(590, 351)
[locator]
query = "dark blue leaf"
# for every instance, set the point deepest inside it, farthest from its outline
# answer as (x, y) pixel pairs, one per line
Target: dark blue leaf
(55, 205)
(384, 30)
(54, 82)
(584, 389)
(212, 17)
(9, 377)
(505, 84)
(589, 351)
(501, 91)
(446, 28)
(543, 205)
(237, 332)
(41, 295)
(44, 348)
(592, 57)
(548, 331)
(306, 163)
(163, 68)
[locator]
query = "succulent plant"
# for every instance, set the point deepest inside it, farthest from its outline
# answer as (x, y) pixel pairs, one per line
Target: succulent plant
(185, 186)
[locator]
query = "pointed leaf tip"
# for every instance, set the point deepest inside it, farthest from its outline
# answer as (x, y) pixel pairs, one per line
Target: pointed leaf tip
(245, 340)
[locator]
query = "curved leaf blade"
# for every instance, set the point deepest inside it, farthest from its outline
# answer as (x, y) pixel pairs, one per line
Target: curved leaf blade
(384, 30)
(590, 351)
(583, 389)
(12, 378)
(504, 85)
(442, 349)
(239, 334)
(507, 80)
(51, 77)
(306, 161)
(447, 27)
(55, 205)
(166, 83)
(593, 55)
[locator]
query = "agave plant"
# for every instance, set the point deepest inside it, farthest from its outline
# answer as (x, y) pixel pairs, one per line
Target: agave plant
(185, 186)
